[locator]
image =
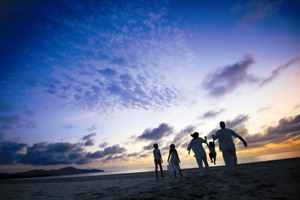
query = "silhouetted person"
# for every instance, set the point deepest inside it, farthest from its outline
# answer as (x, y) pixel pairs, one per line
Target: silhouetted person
(226, 145)
(157, 160)
(212, 151)
(200, 154)
(173, 160)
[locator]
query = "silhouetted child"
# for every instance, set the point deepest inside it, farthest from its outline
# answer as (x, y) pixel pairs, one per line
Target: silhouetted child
(212, 151)
(157, 160)
(174, 160)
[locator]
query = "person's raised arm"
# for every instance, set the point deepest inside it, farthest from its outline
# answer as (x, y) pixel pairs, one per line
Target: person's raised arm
(205, 141)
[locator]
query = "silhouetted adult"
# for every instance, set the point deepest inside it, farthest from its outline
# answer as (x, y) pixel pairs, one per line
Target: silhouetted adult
(226, 145)
(200, 154)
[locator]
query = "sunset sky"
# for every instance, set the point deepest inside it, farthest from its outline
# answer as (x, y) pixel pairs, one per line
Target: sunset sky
(94, 84)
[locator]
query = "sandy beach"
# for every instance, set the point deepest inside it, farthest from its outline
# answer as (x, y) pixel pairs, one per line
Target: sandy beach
(278, 179)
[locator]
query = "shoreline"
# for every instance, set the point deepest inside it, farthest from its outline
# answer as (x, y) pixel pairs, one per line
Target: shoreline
(101, 174)
(276, 179)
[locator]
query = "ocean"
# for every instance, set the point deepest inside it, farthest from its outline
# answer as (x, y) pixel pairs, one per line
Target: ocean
(184, 165)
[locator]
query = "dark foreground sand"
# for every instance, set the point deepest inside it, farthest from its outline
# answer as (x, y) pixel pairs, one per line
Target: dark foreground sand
(264, 180)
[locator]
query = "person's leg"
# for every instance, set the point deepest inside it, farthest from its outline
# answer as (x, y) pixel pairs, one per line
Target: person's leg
(227, 160)
(211, 157)
(180, 173)
(175, 174)
(156, 171)
(200, 165)
(161, 170)
(230, 160)
(205, 163)
(215, 158)
(233, 160)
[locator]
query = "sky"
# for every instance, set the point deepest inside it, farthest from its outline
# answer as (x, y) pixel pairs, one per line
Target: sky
(94, 84)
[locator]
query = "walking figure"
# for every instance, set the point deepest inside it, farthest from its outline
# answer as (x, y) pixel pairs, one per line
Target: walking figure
(200, 154)
(226, 145)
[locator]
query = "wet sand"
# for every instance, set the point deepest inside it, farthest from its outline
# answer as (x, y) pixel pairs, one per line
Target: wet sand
(278, 179)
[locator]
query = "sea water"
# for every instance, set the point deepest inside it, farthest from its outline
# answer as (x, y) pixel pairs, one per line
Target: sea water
(183, 165)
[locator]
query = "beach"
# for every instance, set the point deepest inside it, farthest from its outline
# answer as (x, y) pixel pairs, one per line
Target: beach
(278, 179)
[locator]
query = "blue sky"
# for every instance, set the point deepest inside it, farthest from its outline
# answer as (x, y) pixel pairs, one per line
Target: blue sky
(96, 83)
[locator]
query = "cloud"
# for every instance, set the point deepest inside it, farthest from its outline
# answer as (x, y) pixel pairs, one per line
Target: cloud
(10, 119)
(148, 147)
(13, 121)
(156, 133)
(108, 151)
(226, 79)
(183, 137)
(258, 10)
(287, 128)
(237, 121)
(264, 109)
(51, 154)
(103, 145)
(60, 153)
(211, 114)
(88, 141)
(111, 56)
(69, 127)
(276, 72)
(92, 128)
(10, 152)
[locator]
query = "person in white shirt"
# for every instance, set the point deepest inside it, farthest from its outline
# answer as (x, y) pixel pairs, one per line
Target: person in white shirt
(226, 145)
(200, 154)
(157, 160)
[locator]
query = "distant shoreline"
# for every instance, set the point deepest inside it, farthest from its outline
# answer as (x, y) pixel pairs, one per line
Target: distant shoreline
(40, 173)
(90, 175)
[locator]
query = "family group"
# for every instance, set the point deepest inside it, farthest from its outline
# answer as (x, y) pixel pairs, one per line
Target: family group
(226, 146)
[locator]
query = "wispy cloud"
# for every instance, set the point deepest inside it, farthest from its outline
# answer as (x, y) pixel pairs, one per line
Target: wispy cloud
(15, 121)
(264, 109)
(103, 145)
(226, 79)
(211, 114)
(276, 72)
(256, 10)
(92, 128)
